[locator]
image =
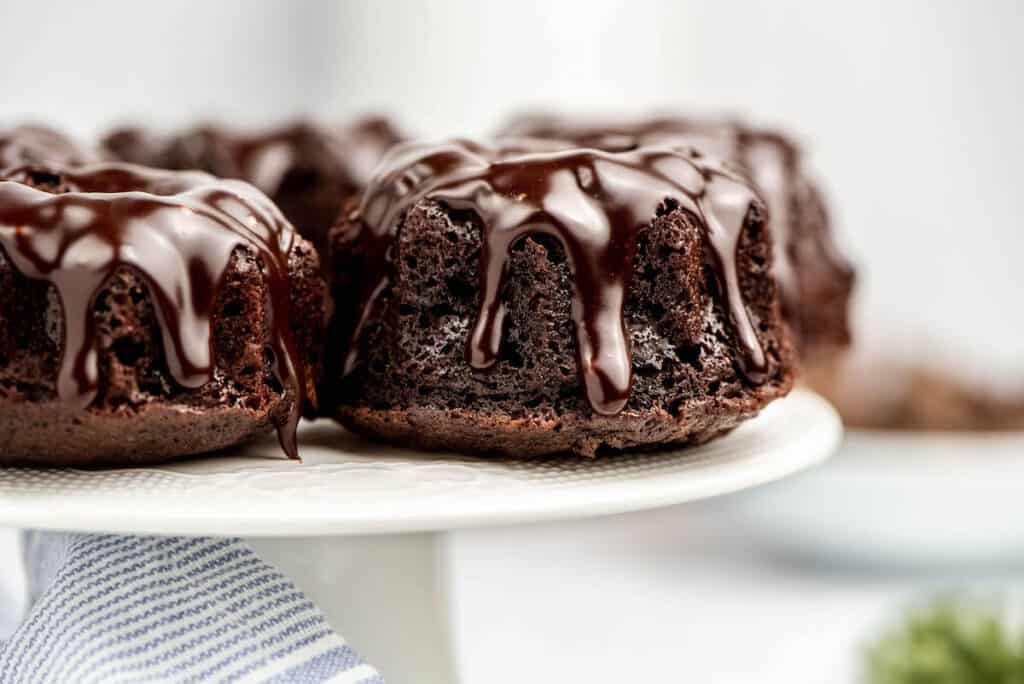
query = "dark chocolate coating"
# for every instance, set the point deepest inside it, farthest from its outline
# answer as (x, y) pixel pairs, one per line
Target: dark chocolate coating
(815, 279)
(308, 170)
(599, 211)
(594, 203)
(179, 235)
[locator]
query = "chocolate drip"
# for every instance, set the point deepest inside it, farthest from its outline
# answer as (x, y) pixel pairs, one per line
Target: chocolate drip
(768, 158)
(264, 158)
(308, 170)
(363, 143)
(178, 232)
(594, 203)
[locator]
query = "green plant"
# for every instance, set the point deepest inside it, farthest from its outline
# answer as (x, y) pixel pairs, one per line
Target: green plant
(950, 641)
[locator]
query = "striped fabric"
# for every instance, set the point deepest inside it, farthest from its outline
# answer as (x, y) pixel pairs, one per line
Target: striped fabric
(108, 608)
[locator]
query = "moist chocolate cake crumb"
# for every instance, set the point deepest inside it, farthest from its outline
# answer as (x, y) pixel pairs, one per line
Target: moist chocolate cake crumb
(138, 412)
(412, 383)
(816, 279)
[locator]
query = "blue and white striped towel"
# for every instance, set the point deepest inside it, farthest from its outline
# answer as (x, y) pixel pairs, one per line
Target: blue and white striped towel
(110, 608)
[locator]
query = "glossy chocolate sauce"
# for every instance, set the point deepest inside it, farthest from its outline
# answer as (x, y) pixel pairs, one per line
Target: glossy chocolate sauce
(768, 158)
(594, 203)
(177, 231)
(265, 157)
(309, 170)
(363, 144)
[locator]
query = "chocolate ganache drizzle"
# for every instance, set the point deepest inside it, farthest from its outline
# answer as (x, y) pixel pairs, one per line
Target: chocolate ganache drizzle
(768, 158)
(177, 231)
(263, 158)
(594, 203)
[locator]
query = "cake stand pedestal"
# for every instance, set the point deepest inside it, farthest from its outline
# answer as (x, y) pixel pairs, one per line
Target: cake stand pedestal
(366, 529)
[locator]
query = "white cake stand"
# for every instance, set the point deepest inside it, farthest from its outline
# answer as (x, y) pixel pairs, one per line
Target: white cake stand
(339, 522)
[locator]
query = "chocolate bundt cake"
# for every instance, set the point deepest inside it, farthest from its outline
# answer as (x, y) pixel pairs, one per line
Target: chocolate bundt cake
(815, 279)
(528, 299)
(39, 145)
(307, 170)
(889, 394)
(147, 315)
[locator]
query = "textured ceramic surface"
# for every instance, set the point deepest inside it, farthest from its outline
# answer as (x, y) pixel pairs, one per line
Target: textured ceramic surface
(346, 485)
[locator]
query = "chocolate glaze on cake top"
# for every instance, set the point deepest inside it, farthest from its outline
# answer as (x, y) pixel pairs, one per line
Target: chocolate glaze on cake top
(74, 227)
(265, 158)
(363, 144)
(766, 156)
(594, 203)
(38, 145)
(262, 158)
(309, 170)
(715, 137)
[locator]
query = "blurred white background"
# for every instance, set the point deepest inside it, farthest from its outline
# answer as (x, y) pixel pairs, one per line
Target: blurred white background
(910, 109)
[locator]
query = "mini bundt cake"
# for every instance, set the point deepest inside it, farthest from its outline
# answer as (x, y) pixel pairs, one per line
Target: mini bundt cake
(815, 278)
(891, 394)
(528, 299)
(39, 145)
(147, 315)
(306, 169)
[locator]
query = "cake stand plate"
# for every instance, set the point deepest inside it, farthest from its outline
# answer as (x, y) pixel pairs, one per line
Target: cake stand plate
(346, 485)
(337, 522)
